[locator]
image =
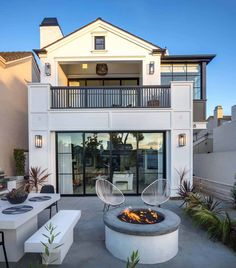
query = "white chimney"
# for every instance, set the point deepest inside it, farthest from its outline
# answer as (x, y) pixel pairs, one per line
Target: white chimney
(50, 31)
(233, 113)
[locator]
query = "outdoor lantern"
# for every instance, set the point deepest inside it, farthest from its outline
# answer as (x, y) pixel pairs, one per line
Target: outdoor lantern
(151, 67)
(182, 140)
(38, 141)
(47, 69)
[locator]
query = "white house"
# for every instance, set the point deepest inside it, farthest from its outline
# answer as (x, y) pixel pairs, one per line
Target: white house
(112, 104)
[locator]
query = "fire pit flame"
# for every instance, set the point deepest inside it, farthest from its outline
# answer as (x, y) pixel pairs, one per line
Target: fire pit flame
(140, 216)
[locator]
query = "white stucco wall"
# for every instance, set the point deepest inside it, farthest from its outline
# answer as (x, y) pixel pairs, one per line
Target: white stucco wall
(14, 109)
(175, 120)
(217, 166)
(224, 137)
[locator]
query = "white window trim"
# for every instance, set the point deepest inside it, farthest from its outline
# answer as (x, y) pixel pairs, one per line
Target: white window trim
(93, 35)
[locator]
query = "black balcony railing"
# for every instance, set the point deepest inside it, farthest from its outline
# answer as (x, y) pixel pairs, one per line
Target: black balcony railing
(110, 97)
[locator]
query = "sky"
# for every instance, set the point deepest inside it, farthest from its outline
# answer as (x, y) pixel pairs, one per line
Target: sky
(183, 26)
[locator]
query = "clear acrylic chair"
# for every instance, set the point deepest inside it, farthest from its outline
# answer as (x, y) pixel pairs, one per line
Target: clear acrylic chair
(156, 193)
(109, 194)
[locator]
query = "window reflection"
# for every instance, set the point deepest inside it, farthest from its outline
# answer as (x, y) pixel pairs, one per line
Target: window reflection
(182, 72)
(130, 160)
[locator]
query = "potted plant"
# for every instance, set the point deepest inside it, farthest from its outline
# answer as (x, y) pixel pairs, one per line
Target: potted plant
(37, 177)
(16, 196)
(19, 156)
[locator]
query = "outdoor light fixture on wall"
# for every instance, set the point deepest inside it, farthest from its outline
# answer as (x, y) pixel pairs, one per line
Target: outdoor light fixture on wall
(151, 67)
(47, 69)
(38, 141)
(182, 140)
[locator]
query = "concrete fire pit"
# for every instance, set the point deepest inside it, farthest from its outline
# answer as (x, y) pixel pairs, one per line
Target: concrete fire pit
(156, 242)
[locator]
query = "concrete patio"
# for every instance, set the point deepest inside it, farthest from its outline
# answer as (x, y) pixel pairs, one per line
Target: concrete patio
(88, 250)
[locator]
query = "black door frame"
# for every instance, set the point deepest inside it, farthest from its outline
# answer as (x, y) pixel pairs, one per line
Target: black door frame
(165, 159)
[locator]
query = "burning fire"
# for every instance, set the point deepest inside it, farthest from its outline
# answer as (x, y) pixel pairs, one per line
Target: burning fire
(140, 216)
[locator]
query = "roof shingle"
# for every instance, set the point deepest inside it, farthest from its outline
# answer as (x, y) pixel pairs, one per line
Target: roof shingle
(11, 56)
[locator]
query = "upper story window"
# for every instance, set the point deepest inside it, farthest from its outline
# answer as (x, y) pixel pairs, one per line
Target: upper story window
(183, 72)
(99, 42)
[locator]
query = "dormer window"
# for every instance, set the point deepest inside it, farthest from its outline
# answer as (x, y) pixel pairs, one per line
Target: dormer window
(99, 42)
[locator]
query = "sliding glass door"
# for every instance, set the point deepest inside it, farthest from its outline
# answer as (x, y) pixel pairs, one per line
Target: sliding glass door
(97, 157)
(130, 160)
(150, 159)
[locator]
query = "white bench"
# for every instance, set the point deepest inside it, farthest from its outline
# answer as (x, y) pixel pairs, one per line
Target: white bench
(64, 221)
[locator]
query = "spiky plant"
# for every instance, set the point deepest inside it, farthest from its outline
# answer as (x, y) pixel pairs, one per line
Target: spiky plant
(210, 221)
(226, 226)
(133, 260)
(211, 204)
(37, 177)
(193, 203)
(185, 187)
(182, 174)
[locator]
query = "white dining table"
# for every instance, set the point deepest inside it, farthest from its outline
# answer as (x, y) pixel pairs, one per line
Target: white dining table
(19, 227)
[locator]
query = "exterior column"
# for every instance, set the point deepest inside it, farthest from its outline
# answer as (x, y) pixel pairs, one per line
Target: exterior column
(182, 123)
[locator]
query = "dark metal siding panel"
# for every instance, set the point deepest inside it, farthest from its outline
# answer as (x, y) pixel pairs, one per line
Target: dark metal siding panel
(199, 110)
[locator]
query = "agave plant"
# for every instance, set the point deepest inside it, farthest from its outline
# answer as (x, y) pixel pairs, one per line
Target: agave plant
(133, 260)
(37, 177)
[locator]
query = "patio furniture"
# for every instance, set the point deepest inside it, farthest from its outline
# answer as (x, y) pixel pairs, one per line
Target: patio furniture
(157, 193)
(49, 189)
(19, 227)
(123, 177)
(109, 194)
(2, 243)
(64, 221)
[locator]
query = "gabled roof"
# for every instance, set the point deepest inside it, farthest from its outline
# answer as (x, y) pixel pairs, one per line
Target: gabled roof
(12, 56)
(43, 50)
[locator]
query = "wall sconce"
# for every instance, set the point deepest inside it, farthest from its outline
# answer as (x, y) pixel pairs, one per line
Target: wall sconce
(47, 69)
(182, 140)
(38, 141)
(151, 67)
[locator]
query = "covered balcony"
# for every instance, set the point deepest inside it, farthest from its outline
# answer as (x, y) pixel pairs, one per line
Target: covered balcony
(108, 84)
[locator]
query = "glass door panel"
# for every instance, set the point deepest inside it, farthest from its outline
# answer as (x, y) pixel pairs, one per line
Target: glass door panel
(129, 82)
(111, 82)
(123, 161)
(70, 163)
(150, 158)
(97, 156)
(77, 83)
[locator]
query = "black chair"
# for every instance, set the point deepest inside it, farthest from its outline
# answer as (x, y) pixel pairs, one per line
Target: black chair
(49, 189)
(2, 243)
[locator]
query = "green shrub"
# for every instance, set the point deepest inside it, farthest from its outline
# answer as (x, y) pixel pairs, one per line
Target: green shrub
(207, 213)
(19, 157)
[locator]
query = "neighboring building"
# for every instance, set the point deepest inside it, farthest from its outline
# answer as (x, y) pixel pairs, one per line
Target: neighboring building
(216, 166)
(16, 70)
(114, 105)
(203, 139)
